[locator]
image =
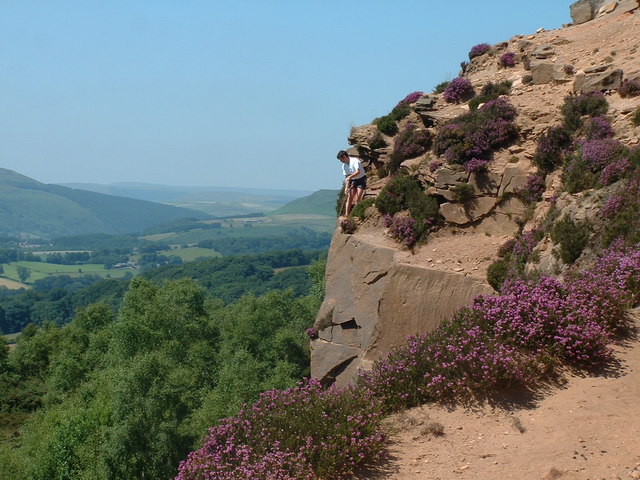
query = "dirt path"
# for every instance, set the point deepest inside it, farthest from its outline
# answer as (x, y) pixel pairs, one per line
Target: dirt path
(588, 429)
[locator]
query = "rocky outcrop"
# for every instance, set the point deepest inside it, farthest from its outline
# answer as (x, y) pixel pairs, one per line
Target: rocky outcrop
(584, 10)
(598, 79)
(373, 302)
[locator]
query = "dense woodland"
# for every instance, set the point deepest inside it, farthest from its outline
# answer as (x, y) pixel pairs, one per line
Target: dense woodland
(56, 298)
(145, 366)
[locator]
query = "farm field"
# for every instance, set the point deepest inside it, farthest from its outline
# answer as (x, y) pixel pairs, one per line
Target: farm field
(258, 227)
(41, 270)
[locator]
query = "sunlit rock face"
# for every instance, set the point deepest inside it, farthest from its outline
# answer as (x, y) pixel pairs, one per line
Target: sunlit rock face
(373, 303)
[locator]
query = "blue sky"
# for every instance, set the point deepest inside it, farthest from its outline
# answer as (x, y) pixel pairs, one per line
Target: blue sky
(209, 93)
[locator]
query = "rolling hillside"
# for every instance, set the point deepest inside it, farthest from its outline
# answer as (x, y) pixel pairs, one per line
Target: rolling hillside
(322, 202)
(32, 209)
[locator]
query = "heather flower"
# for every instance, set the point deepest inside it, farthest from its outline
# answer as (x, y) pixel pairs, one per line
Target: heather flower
(599, 128)
(434, 165)
(312, 333)
(534, 188)
(459, 89)
(508, 59)
(478, 50)
(412, 97)
(402, 229)
(411, 142)
(598, 153)
(629, 88)
(614, 171)
(478, 133)
(476, 165)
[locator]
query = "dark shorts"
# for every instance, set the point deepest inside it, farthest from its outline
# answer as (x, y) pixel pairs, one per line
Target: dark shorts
(359, 182)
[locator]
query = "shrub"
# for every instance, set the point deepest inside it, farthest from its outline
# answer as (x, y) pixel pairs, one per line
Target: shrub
(629, 88)
(477, 134)
(359, 210)
(598, 128)
(508, 59)
(572, 238)
(577, 176)
(497, 272)
(412, 97)
(620, 212)
(348, 225)
(506, 248)
(410, 143)
(489, 92)
(598, 153)
(434, 165)
(402, 229)
(478, 50)
(533, 189)
(405, 193)
(552, 147)
(386, 125)
(441, 87)
(458, 90)
(301, 433)
(463, 191)
(376, 141)
(476, 165)
(575, 107)
(615, 171)
(400, 111)
(568, 69)
(635, 118)
(527, 79)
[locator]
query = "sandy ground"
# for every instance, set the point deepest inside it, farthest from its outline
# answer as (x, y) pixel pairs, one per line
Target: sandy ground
(586, 429)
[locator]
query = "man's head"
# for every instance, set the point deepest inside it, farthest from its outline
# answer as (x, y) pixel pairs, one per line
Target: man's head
(343, 156)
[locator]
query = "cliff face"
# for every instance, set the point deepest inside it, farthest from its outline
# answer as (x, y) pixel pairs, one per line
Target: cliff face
(378, 292)
(373, 301)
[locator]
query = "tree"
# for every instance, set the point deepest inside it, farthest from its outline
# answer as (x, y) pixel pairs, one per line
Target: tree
(23, 273)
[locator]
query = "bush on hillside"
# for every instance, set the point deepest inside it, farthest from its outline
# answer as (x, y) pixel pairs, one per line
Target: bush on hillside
(586, 104)
(387, 125)
(553, 146)
(507, 59)
(572, 237)
(413, 97)
(489, 92)
(411, 142)
(598, 127)
(405, 193)
(360, 209)
(441, 87)
(458, 90)
(478, 133)
(533, 189)
(376, 141)
(635, 118)
(479, 49)
(629, 88)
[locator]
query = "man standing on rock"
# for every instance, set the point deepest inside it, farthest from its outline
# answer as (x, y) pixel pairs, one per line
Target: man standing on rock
(355, 180)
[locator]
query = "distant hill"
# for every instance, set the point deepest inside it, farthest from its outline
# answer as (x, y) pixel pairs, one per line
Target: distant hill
(29, 208)
(216, 201)
(322, 202)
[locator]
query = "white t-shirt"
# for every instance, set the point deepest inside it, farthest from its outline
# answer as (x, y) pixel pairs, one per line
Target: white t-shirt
(354, 165)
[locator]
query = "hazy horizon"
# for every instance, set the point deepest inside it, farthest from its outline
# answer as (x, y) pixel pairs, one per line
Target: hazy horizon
(236, 94)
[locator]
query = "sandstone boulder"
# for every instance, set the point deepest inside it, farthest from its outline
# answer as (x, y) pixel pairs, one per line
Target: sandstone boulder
(597, 81)
(373, 302)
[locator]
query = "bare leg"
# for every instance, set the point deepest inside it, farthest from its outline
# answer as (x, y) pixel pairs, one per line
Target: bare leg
(359, 195)
(351, 196)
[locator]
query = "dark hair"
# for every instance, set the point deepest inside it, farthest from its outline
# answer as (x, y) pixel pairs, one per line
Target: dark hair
(341, 154)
